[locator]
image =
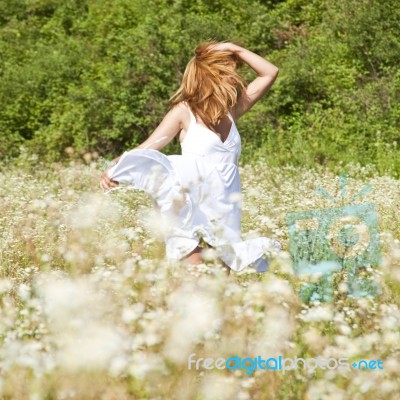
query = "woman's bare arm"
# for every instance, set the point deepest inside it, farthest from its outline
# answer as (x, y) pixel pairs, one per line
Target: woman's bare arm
(266, 71)
(162, 135)
(166, 130)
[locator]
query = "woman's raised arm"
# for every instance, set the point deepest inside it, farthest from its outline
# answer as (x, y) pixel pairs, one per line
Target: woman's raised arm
(266, 71)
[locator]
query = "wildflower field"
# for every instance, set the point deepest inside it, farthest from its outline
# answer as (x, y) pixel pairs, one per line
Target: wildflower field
(90, 309)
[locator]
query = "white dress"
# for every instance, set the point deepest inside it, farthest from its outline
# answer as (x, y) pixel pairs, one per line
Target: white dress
(197, 193)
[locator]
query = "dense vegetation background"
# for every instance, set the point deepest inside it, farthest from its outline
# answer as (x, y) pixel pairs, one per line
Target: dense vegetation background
(95, 75)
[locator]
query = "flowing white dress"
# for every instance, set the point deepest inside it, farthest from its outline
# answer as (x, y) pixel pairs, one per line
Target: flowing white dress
(197, 193)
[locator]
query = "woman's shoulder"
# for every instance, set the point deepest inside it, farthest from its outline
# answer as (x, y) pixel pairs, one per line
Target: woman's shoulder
(182, 105)
(181, 111)
(179, 108)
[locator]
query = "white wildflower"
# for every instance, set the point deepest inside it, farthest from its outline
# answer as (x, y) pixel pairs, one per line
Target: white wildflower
(319, 313)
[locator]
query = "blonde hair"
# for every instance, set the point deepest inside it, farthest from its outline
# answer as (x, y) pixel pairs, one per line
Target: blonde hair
(210, 83)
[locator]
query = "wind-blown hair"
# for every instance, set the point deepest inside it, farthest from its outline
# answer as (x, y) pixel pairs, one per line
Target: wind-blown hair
(210, 83)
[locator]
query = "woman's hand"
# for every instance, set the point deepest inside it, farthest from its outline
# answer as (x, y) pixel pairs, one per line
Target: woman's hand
(105, 181)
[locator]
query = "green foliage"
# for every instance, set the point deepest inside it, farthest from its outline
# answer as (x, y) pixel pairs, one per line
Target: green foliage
(96, 75)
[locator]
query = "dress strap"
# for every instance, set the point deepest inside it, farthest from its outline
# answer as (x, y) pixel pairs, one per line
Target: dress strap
(192, 117)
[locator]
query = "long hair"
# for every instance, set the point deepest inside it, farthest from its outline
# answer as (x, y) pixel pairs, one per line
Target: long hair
(210, 83)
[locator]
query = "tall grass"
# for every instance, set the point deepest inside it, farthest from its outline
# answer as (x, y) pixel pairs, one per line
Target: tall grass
(90, 309)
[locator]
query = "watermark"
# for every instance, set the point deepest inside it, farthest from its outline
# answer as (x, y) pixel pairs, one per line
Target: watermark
(332, 239)
(281, 364)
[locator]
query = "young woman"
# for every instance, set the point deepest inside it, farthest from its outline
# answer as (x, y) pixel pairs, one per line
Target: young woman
(199, 192)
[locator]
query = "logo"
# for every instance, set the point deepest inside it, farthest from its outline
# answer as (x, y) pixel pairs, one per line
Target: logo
(280, 363)
(334, 239)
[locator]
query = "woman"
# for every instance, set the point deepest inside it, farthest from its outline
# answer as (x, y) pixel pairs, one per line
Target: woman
(199, 191)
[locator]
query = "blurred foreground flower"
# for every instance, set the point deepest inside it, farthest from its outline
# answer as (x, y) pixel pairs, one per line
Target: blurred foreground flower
(80, 323)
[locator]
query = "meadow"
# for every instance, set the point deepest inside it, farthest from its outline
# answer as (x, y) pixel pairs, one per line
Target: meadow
(90, 309)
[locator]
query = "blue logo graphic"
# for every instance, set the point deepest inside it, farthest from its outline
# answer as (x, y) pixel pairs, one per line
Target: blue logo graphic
(368, 365)
(334, 239)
